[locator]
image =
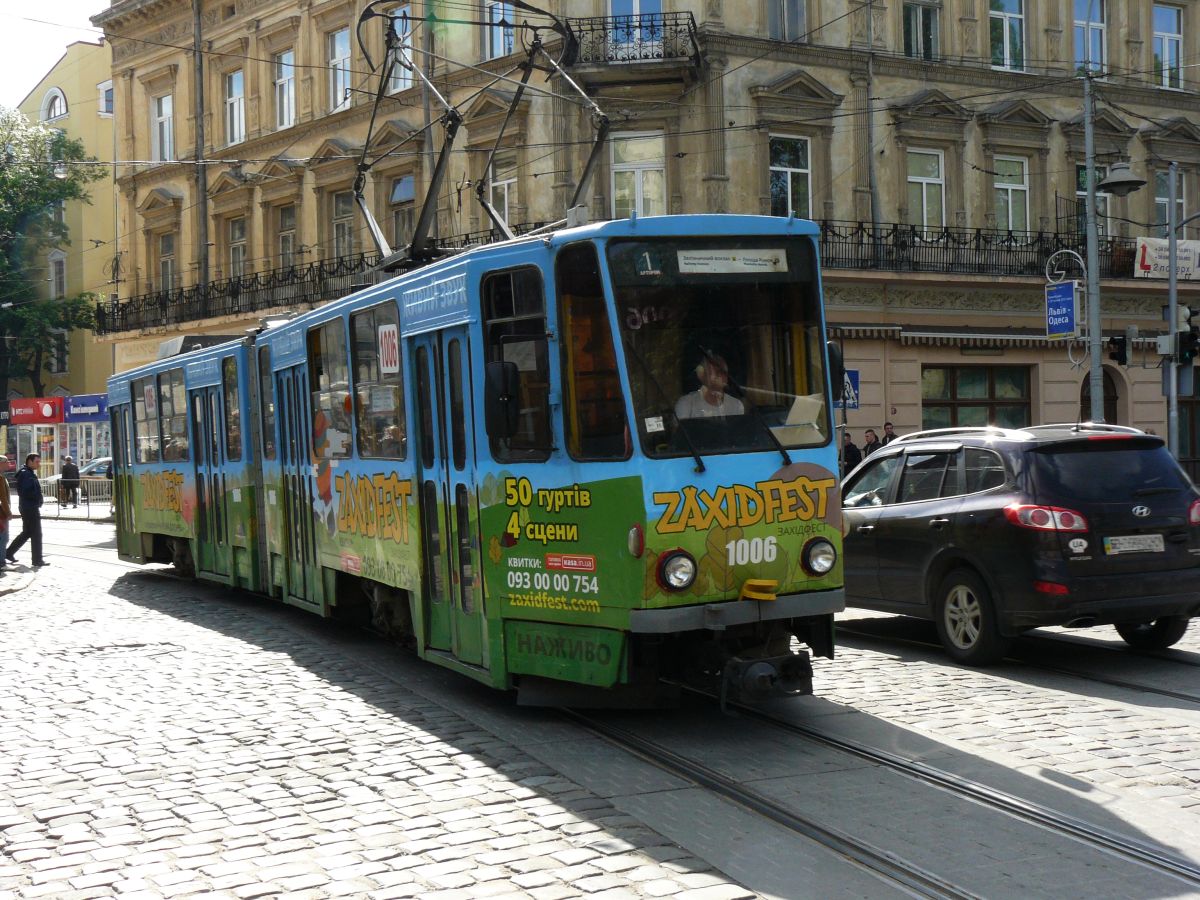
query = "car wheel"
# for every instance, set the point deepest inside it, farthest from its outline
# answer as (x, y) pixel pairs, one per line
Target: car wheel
(1160, 634)
(966, 620)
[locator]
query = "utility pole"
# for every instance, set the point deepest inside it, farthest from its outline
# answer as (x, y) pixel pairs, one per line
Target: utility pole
(1092, 275)
(1172, 317)
(201, 169)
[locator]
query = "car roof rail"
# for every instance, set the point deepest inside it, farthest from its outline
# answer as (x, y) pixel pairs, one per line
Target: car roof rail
(995, 430)
(1087, 426)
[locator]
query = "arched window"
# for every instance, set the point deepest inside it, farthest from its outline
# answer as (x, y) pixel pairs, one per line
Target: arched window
(54, 105)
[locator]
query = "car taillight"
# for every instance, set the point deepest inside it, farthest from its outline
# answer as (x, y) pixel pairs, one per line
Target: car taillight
(1045, 518)
(1194, 513)
(1051, 587)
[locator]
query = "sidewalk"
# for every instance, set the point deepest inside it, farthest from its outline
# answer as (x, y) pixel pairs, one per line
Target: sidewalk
(17, 576)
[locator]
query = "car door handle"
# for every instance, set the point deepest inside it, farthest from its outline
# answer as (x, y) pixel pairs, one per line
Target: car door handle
(938, 523)
(865, 529)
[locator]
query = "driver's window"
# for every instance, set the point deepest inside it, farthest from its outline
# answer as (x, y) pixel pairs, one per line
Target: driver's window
(870, 488)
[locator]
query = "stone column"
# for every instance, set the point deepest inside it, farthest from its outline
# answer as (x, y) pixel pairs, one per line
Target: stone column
(716, 177)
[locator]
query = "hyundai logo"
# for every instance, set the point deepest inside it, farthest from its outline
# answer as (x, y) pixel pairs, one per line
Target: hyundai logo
(1141, 511)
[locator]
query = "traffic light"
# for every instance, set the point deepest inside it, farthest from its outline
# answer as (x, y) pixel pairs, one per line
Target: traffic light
(1118, 350)
(1189, 344)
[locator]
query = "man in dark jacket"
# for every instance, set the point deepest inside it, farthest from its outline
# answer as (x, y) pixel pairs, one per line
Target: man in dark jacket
(29, 501)
(851, 455)
(70, 482)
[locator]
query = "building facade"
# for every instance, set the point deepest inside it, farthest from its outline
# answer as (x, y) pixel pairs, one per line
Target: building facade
(76, 97)
(940, 143)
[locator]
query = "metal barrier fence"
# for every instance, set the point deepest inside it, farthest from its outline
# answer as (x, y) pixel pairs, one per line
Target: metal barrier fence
(91, 500)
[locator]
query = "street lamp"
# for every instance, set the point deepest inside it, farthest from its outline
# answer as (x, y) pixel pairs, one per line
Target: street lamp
(1173, 323)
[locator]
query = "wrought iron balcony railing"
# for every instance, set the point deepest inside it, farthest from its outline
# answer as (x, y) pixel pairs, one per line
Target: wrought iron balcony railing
(964, 251)
(640, 38)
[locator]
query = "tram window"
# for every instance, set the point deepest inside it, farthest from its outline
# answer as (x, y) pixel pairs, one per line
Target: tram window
(594, 408)
(266, 396)
(172, 413)
(329, 385)
(233, 409)
(145, 426)
(425, 407)
(515, 312)
(378, 383)
(458, 416)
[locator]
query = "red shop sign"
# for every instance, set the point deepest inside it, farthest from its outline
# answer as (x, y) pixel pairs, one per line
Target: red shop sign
(38, 411)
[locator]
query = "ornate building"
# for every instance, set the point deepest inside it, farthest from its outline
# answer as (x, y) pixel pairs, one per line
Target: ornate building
(939, 142)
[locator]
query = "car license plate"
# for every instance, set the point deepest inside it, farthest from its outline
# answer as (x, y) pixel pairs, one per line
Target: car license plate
(1134, 543)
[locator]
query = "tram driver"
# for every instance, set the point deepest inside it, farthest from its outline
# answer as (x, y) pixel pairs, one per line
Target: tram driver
(710, 399)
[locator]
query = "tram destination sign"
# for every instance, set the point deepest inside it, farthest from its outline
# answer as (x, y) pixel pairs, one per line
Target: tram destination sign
(1062, 310)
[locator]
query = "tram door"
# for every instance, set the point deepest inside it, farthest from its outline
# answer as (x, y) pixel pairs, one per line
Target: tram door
(212, 534)
(291, 398)
(453, 597)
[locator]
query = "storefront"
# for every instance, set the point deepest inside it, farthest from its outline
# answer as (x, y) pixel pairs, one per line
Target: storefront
(36, 422)
(84, 436)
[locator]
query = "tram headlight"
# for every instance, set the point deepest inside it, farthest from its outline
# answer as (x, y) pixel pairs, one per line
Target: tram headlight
(676, 570)
(819, 557)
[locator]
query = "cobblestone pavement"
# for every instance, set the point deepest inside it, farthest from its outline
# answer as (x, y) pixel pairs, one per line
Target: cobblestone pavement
(166, 747)
(1137, 745)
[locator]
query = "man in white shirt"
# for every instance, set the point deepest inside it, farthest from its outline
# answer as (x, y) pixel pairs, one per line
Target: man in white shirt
(710, 400)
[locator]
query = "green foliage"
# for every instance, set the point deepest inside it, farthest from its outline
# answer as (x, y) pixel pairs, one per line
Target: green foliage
(39, 168)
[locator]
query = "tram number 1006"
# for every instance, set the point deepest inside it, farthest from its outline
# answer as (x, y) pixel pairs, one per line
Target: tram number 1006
(752, 550)
(558, 581)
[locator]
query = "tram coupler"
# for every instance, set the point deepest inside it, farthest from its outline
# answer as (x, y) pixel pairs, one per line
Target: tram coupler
(788, 675)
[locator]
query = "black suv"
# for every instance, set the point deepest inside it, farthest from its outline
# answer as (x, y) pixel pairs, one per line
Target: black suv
(990, 532)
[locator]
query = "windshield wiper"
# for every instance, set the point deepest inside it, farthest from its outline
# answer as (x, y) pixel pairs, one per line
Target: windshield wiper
(679, 429)
(758, 416)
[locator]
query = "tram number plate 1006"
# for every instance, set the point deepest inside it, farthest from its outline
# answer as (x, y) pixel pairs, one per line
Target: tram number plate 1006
(1134, 543)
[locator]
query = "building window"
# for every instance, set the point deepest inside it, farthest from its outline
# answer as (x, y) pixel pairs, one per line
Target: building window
(58, 352)
(1007, 19)
(403, 205)
(285, 228)
(337, 44)
(498, 33)
(1168, 46)
(926, 189)
(343, 223)
(54, 106)
(639, 179)
(1081, 200)
(58, 212)
(106, 98)
(166, 262)
(502, 180)
(1011, 188)
(402, 78)
(162, 128)
(791, 177)
(284, 66)
(1162, 201)
(953, 396)
(235, 109)
(921, 30)
(785, 20)
(1090, 47)
(58, 275)
(237, 247)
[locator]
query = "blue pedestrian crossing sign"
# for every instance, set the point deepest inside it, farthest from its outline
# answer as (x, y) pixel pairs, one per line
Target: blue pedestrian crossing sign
(849, 391)
(1062, 310)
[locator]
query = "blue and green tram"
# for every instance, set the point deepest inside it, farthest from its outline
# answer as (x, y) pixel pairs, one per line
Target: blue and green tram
(583, 465)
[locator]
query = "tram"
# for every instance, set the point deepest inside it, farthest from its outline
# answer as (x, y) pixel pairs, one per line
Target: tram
(587, 465)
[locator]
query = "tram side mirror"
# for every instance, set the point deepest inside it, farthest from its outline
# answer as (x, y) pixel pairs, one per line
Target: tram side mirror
(837, 370)
(501, 398)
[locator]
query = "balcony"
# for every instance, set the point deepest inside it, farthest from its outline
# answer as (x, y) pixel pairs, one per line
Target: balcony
(649, 38)
(961, 251)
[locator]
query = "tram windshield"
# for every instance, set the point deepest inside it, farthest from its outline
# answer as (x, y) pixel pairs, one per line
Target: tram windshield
(722, 341)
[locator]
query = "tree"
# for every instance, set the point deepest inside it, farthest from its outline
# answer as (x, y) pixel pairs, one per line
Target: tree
(40, 168)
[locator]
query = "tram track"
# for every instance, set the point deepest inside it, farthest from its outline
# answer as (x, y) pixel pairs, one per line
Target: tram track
(1182, 696)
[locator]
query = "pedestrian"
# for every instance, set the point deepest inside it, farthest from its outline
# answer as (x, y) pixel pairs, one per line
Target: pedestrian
(889, 434)
(70, 483)
(29, 502)
(5, 517)
(872, 443)
(851, 455)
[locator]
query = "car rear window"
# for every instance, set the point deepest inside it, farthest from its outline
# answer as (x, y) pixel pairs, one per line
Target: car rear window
(1106, 470)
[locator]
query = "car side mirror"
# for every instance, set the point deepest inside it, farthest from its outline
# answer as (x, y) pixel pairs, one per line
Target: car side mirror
(502, 383)
(837, 370)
